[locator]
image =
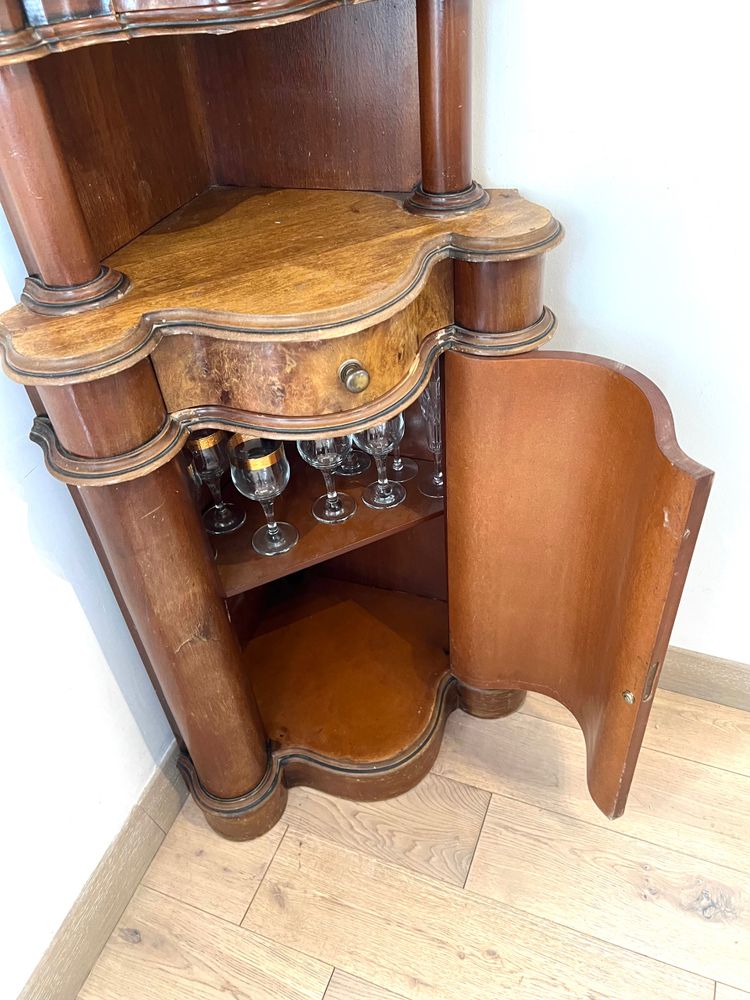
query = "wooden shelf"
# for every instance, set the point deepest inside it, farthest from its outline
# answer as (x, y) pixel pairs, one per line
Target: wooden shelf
(241, 568)
(349, 674)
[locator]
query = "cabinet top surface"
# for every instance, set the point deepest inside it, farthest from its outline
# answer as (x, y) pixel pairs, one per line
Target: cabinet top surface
(235, 263)
(30, 30)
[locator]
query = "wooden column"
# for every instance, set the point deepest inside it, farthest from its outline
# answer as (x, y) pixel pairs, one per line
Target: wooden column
(151, 534)
(490, 298)
(40, 201)
(444, 43)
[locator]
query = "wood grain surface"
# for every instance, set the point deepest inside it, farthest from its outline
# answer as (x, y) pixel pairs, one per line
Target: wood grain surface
(245, 265)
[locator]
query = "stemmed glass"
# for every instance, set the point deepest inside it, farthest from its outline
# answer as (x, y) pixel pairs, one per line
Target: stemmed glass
(327, 455)
(210, 461)
(379, 441)
(402, 469)
(354, 463)
(260, 471)
(431, 405)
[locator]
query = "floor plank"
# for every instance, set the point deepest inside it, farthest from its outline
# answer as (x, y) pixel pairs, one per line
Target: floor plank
(677, 803)
(697, 730)
(429, 941)
(346, 987)
(162, 950)
(669, 906)
(197, 866)
(728, 993)
(432, 829)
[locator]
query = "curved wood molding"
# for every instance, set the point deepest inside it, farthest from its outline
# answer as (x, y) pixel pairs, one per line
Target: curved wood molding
(68, 300)
(54, 34)
(262, 266)
(254, 813)
(77, 470)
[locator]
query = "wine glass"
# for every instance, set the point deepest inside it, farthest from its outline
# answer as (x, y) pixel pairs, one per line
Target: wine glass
(260, 471)
(354, 463)
(379, 441)
(402, 469)
(210, 460)
(327, 455)
(431, 405)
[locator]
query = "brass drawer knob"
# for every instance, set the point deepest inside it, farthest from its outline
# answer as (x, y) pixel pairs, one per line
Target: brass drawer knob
(355, 377)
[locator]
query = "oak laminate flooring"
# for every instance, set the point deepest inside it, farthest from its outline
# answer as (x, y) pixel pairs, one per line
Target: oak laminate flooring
(346, 987)
(164, 950)
(691, 808)
(423, 939)
(686, 727)
(680, 910)
(432, 829)
(197, 866)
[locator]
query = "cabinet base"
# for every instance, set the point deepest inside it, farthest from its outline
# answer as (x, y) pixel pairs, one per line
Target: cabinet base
(487, 704)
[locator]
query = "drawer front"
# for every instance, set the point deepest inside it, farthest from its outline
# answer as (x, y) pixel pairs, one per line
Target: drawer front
(288, 376)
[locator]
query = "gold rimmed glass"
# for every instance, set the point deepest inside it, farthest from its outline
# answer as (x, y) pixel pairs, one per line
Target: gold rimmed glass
(260, 471)
(210, 460)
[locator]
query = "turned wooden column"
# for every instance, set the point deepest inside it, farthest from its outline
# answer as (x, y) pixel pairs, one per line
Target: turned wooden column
(489, 298)
(40, 201)
(150, 531)
(444, 44)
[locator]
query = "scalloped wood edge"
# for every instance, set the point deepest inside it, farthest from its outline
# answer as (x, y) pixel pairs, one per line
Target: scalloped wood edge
(36, 41)
(76, 470)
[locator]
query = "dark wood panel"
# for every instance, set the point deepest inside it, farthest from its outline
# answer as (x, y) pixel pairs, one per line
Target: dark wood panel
(129, 123)
(331, 101)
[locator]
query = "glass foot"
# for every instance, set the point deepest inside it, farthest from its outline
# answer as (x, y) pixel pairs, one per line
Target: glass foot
(328, 512)
(408, 470)
(224, 519)
(355, 463)
(432, 487)
(285, 538)
(380, 497)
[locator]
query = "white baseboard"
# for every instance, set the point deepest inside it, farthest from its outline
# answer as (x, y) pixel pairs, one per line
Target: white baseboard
(75, 948)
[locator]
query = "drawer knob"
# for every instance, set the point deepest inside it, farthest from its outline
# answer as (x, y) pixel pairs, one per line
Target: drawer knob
(355, 377)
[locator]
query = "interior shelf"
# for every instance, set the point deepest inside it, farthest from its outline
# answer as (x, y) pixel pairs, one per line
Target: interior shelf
(242, 569)
(349, 673)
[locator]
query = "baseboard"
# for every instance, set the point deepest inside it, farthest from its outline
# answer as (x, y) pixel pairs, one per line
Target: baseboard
(75, 948)
(710, 678)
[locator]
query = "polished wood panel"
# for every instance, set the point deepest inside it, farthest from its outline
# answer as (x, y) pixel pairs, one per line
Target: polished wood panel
(241, 568)
(497, 297)
(586, 482)
(55, 25)
(170, 949)
(420, 938)
(129, 122)
(350, 114)
(241, 265)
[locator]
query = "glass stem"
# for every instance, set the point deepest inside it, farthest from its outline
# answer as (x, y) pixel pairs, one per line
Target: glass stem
(384, 487)
(437, 476)
(273, 528)
(332, 498)
(398, 462)
(214, 486)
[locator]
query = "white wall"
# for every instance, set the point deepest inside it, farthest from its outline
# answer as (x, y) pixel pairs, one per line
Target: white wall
(629, 121)
(81, 726)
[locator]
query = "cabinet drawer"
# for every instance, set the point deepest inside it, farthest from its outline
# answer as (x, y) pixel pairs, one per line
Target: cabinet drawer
(291, 375)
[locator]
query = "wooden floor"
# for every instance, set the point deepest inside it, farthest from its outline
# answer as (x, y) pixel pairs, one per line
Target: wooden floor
(495, 878)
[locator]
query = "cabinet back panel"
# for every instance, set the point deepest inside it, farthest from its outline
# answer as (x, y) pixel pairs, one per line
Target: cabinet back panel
(328, 102)
(130, 127)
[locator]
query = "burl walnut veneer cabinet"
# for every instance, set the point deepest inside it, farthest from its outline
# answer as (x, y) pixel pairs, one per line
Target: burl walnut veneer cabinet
(218, 204)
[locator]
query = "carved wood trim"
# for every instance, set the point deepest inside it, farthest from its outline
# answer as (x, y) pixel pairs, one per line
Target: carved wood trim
(77, 470)
(38, 40)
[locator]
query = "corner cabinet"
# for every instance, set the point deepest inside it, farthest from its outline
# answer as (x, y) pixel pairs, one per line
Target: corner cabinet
(209, 226)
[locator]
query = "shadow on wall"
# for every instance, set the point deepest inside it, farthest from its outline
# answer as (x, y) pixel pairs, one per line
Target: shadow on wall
(56, 537)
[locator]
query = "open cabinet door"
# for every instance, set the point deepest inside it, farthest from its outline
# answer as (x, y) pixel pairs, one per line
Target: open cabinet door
(572, 517)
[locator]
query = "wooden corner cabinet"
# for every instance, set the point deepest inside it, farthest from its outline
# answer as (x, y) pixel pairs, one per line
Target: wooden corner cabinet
(217, 215)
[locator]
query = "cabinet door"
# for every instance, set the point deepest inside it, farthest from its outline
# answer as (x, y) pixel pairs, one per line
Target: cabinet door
(572, 517)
